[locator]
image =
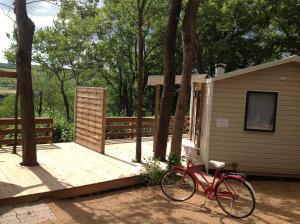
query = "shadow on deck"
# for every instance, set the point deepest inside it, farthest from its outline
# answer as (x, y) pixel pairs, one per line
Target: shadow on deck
(65, 170)
(69, 169)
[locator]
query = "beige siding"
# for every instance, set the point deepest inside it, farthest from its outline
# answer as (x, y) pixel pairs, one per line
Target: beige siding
(205, 124)
(259, 152)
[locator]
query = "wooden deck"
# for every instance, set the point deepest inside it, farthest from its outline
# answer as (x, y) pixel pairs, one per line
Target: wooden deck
(69, 169)
(65, 170)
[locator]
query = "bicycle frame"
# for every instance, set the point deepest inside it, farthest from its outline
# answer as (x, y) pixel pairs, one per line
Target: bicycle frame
(210, 189)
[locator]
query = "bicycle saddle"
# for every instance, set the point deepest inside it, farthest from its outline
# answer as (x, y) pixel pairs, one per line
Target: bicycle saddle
(217, 164)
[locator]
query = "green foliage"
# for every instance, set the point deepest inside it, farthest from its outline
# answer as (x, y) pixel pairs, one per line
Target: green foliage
(241, 33)
(173, 160)
(63, 130)
(93, 46)
(7, 107)
(153, 172)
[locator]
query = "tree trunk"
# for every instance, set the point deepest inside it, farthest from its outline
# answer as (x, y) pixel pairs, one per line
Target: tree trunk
(65, 99)
(141, 43)
(197, 53)
(169, 81)
(130, 100)
(25, 28)
(188, 42)
(40, 108)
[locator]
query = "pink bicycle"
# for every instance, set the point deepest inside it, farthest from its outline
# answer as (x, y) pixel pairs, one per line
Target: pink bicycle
(233, 193)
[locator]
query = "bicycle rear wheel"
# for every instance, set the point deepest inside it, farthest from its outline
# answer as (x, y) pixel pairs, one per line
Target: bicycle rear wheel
(235, 197)
(177, 185)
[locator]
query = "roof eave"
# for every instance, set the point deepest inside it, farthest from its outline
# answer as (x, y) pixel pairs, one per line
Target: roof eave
(294, 58)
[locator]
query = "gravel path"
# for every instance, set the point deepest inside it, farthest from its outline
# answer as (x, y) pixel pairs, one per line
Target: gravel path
(277, 202)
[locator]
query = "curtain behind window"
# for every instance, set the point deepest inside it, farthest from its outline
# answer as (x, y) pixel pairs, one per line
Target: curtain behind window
(261, 111)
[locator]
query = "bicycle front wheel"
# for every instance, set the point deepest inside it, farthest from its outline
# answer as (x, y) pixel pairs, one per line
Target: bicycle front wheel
(177, 185)
(235, 197)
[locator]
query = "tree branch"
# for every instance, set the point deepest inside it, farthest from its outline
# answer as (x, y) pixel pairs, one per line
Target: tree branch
(37, 1)
(8, 6)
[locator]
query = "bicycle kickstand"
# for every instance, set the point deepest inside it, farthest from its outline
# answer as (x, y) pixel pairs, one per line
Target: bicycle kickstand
(204, 203)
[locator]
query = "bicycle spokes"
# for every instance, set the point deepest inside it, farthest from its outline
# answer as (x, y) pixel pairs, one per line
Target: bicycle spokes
(235, 198)
(178, 185)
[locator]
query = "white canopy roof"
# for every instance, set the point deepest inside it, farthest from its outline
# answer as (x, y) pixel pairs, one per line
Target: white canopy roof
(154, 80)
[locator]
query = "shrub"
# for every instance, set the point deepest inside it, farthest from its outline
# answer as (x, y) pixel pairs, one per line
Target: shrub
(153, 172)
(173, 160)
(63, 130)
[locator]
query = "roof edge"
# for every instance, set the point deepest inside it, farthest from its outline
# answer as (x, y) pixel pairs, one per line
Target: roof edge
(294, 58)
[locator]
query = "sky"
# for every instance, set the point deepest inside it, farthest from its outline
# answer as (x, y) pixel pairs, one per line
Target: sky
(41, 13)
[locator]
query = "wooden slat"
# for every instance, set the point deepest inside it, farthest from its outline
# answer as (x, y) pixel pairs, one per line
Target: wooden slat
(8, 131)
(119, 127)
(39, 139)
(44, 120)
(89, 106)
(11, 131)
(118, 135)
(87, 141)
(10, 141)
(39, 130)
(93, 130)
(42, 139)
(90, 111)
(120, 119)
(7, 74)
(89, 123)
(88, 134)
(127, 125)
(89, 96)
(11, 121)
(98, 101)
(127, 134)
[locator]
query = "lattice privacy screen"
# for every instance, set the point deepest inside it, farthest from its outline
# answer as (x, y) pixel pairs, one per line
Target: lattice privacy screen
(90, 113)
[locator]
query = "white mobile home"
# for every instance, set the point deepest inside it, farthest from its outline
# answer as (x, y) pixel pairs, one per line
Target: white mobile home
(250, 118)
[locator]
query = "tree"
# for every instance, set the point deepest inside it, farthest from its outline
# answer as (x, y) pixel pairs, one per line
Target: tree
(169, 81)
(117, 31)
(63, 50)
(25, 31)
(188, 42)
(141, 42)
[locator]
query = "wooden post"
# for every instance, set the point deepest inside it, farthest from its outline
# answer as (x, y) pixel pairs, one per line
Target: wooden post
(157, 99)
(51, 132)
(132, 125)
(75, 113)
(202, 99)
(103, 122)
(1, 137)
(192, 111)
(16, 120)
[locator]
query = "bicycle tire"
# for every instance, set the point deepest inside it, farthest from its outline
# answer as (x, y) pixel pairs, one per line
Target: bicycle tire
(248, 197)
(178, 191)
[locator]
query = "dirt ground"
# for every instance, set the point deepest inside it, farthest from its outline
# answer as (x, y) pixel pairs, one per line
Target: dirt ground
(277, 202)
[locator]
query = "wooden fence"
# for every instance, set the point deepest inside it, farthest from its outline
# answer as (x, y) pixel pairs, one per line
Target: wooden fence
(44, 131)
(90, 113)
(125, 127)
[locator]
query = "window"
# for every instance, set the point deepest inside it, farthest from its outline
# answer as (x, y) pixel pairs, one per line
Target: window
(260, 114)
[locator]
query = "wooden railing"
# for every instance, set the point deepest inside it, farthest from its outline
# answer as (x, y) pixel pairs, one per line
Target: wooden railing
(125, 127)
(44, 131)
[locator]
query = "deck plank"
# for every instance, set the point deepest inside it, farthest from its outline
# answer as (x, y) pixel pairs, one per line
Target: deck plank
(69, 169)
(64, 168)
